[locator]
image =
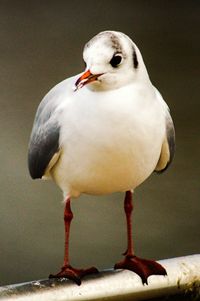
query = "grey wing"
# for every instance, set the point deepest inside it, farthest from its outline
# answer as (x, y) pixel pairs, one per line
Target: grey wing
(44, 140)
(168, 146)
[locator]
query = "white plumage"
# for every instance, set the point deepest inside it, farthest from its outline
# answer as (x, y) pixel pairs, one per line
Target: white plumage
(103, 131)
(111, 132)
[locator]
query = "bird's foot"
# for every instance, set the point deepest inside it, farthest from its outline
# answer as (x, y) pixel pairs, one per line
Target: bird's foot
(143, 267)
(74, 274)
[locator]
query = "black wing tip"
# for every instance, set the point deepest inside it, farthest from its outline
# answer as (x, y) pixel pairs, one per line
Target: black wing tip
(41, 151)
(164, 169)
(34, 171)
(171, 144)
(35, 174)
(172, 155)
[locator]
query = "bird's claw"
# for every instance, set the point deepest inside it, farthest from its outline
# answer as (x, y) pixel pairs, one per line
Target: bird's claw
(74, 274)
(143, 267)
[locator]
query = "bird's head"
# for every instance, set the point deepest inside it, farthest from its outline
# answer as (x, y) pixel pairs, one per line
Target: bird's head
(112, 61)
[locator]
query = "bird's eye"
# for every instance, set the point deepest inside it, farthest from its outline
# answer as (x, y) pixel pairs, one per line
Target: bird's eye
(116, 60)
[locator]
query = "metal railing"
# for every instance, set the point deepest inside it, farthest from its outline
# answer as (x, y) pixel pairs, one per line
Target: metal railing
(183, 276)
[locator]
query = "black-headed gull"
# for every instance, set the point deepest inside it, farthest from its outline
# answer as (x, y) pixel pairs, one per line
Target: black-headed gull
(103, 131)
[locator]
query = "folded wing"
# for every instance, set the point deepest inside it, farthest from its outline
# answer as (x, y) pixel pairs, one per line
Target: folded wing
(168, 146)
(44, 141)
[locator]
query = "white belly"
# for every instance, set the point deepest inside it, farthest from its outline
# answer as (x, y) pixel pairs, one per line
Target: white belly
(108, 146)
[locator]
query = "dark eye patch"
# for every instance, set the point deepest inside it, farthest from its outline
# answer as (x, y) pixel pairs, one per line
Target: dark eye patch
(116, 60)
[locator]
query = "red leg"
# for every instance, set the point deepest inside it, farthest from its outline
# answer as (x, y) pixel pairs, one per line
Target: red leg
(143, 267)
(67, 271)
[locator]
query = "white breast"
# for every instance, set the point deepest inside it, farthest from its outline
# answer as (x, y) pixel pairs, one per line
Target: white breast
(109, 143)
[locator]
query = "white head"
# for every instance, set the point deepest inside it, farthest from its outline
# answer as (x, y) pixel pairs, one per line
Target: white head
(112, 61)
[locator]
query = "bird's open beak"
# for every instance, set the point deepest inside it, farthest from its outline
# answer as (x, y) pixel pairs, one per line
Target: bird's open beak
(86, 78)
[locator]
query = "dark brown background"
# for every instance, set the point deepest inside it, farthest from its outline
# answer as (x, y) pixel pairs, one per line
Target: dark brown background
(41, 44)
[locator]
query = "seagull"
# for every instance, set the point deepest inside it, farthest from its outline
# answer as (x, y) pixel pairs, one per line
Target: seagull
(102, 131)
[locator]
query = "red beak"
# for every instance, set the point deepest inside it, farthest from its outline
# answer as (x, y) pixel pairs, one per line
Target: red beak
(86, 78)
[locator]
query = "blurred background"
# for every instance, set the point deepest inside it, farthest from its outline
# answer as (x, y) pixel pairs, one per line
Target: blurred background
(41, 44)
